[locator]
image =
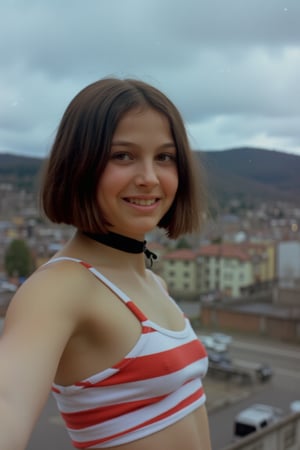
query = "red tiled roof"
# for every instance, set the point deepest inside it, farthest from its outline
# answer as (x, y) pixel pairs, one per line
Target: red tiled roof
(155, 245)
(254, 245)
(230, 251)
(184, 254)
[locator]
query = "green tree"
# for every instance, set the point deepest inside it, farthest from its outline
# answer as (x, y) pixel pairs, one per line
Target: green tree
(182, 243)
(18, 260)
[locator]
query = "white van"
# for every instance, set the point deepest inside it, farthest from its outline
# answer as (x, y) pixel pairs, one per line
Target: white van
(255, 418)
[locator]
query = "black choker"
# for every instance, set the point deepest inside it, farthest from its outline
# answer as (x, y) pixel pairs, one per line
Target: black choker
(123, 243)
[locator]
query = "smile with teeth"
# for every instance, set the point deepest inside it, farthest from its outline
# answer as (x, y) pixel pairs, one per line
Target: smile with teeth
(142, 202)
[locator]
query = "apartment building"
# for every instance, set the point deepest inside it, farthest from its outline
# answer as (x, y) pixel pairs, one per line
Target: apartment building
(265, 255)
(225, 269)
(218, 270)
(181, 271)
(288, 262)
(288, 273)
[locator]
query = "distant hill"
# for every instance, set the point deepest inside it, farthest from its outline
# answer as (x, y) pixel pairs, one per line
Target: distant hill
(19, 165)
(246, 173)
(253, 174)
(20, 170)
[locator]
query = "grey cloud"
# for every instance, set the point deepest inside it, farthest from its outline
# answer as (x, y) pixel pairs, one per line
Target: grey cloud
(225, 64)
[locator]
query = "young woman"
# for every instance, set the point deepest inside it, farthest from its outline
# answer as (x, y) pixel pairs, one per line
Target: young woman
(94, 324)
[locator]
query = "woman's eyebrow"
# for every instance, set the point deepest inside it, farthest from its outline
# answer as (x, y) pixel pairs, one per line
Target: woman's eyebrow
(170, 144)
(129, 143)
(122, 142)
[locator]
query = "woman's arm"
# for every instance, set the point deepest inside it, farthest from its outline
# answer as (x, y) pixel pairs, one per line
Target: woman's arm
(39, 322)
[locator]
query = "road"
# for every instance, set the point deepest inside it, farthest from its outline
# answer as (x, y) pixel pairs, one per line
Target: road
(280, 391)
(49, 433)
(284, 387)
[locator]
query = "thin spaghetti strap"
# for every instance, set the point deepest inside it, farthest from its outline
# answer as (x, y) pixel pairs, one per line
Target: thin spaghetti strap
(120, 294)
(61, 258)
(97, 274)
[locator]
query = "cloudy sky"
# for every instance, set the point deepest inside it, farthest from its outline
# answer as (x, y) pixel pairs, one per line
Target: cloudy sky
(231, 66)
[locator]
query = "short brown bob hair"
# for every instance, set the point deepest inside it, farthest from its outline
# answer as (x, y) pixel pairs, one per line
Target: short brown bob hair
(82, 147)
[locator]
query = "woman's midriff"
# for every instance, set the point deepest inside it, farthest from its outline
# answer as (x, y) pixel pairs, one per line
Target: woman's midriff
(190, 433)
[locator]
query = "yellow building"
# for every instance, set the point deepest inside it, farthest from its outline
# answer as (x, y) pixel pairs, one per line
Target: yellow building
(217, 270)
(266, 270)
(181, 272)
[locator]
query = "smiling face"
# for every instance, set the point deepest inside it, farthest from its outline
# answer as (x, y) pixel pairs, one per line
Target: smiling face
(140, 180)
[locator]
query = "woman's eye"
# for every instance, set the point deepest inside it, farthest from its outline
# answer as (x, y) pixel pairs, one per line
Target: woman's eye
(121, 156)
(168, 157)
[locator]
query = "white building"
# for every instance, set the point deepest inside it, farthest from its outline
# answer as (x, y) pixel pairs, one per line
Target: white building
(288, 263)
(288, 273)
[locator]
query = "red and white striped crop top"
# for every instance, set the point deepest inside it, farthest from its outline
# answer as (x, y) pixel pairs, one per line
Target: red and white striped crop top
(156, 384)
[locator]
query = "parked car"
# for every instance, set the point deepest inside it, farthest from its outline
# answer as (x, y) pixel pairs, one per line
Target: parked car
(222, 338)
(264, 372)
(295, 406)
(255, 418)
(211, 344)
(219, 360)
(261, 371)
(5, 286)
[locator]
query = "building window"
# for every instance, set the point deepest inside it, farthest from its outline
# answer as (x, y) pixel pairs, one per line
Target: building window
(186, 274)
(171, 273)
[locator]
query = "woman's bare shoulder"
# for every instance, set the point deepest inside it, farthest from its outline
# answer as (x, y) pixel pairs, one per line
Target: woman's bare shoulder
(53, 288)
(42, 317)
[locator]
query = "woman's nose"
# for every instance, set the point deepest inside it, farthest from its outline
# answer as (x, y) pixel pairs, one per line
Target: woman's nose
(147, 174)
